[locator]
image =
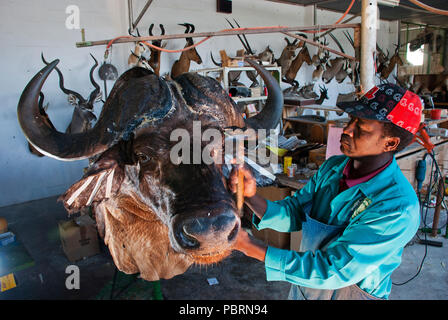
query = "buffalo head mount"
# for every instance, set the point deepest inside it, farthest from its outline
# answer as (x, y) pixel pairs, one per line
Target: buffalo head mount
(156, 216)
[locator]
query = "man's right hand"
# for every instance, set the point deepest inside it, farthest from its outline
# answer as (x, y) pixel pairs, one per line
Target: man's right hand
(250, 184)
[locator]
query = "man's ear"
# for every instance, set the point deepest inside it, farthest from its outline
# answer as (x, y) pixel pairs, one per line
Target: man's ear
(391, 144)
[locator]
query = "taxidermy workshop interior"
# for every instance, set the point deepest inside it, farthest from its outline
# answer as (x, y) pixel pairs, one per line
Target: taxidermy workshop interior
(238, 150)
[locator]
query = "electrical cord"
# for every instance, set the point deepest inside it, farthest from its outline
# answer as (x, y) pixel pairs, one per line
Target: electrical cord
(429, 8)
(106, 53)
(424, 204)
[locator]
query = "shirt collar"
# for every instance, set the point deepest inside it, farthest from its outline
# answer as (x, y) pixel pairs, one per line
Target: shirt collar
(370, 187)
(353, 182)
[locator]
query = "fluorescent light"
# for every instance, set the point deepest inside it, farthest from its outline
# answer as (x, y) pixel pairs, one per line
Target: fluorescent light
(389, 3)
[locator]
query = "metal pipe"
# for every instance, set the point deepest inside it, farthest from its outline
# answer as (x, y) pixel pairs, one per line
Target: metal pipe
(130, 15)
(134, 25)
(369, 20)
(229, 32)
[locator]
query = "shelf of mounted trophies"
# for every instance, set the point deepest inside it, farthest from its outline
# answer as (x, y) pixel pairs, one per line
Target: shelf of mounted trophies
(224, 75)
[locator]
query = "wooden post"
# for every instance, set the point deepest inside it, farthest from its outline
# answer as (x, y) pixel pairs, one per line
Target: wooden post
(439, 199)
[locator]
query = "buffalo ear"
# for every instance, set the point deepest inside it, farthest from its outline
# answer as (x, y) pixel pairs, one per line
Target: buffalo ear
(101, 181)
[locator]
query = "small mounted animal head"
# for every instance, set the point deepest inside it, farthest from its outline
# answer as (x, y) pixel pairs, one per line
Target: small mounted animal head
(394, 60)
(321, 55)
(287, 55)
(154, 60)
(136, 58)
(267, 55)
(83, 115)
(183, 64)
(140, 47)
(192, 54)
(302, 56)
(323, 95)
(335, 65)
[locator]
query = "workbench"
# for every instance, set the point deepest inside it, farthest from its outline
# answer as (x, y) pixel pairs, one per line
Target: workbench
(310, 130)
(406, 159)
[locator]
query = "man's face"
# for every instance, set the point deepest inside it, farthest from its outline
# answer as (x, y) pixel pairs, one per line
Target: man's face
(361, 138)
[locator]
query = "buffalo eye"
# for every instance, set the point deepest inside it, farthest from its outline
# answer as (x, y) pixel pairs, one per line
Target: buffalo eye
(142, 157)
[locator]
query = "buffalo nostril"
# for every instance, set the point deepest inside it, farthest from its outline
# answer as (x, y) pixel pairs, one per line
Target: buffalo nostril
(187, 241)
(233, 233)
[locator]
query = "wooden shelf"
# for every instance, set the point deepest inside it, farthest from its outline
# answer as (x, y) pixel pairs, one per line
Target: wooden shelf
(438, 121)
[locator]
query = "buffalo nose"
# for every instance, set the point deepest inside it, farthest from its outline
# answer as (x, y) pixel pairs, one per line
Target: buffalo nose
(207, 232)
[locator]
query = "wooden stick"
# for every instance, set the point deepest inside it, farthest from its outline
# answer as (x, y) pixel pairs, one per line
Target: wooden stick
(228, 32)
(240, 187)
(240, 192)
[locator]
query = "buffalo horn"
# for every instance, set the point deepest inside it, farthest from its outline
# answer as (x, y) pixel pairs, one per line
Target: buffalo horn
(269, 117)
(45, 138)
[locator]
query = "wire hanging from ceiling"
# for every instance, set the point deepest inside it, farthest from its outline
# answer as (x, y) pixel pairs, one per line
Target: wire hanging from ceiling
(429, 8)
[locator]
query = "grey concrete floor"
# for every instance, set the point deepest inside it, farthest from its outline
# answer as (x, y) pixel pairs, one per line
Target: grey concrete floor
(238, 277)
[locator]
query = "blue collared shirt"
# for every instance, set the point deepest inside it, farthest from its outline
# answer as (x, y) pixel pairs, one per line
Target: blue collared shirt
(381, 216)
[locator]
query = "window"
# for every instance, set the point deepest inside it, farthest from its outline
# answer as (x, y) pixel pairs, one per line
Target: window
(415, 57)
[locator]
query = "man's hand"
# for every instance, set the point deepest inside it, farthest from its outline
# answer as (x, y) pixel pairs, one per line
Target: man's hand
(250, 248)
(250, 184)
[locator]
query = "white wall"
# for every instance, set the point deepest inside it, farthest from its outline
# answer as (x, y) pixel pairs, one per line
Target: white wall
(31, 27)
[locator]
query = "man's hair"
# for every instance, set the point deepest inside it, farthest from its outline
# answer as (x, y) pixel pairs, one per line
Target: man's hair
(392, 130)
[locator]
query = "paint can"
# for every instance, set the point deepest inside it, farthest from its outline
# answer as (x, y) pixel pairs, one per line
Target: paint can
(292, 170)
(287, 161)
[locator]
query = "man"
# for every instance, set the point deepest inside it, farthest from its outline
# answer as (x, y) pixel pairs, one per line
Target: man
(356, 213)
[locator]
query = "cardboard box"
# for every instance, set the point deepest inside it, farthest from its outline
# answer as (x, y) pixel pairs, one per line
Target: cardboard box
(271, 237)
(255, 92)
(317, 156)
(79, 238)
(274, 193)
(296, 238)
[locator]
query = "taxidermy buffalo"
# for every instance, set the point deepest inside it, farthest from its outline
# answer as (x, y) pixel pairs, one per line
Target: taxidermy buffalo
(156, 217)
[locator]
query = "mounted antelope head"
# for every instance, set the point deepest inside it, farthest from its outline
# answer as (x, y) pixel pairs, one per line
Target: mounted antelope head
(266, 55)
(293, 90)
(343, 72)
(323, 95)
(381, 59)
(287, 55)
(394, 60)
(320, 55)
(154, 60)
(83, 115)
(334, 67)
(317, 73)
(183, 64)
(136, 58)
(234, 76)
(307, 91)
(320, 60)
(302, 56)
(340, 66)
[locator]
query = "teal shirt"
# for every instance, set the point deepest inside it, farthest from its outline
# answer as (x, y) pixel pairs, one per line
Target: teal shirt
(381, 217)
